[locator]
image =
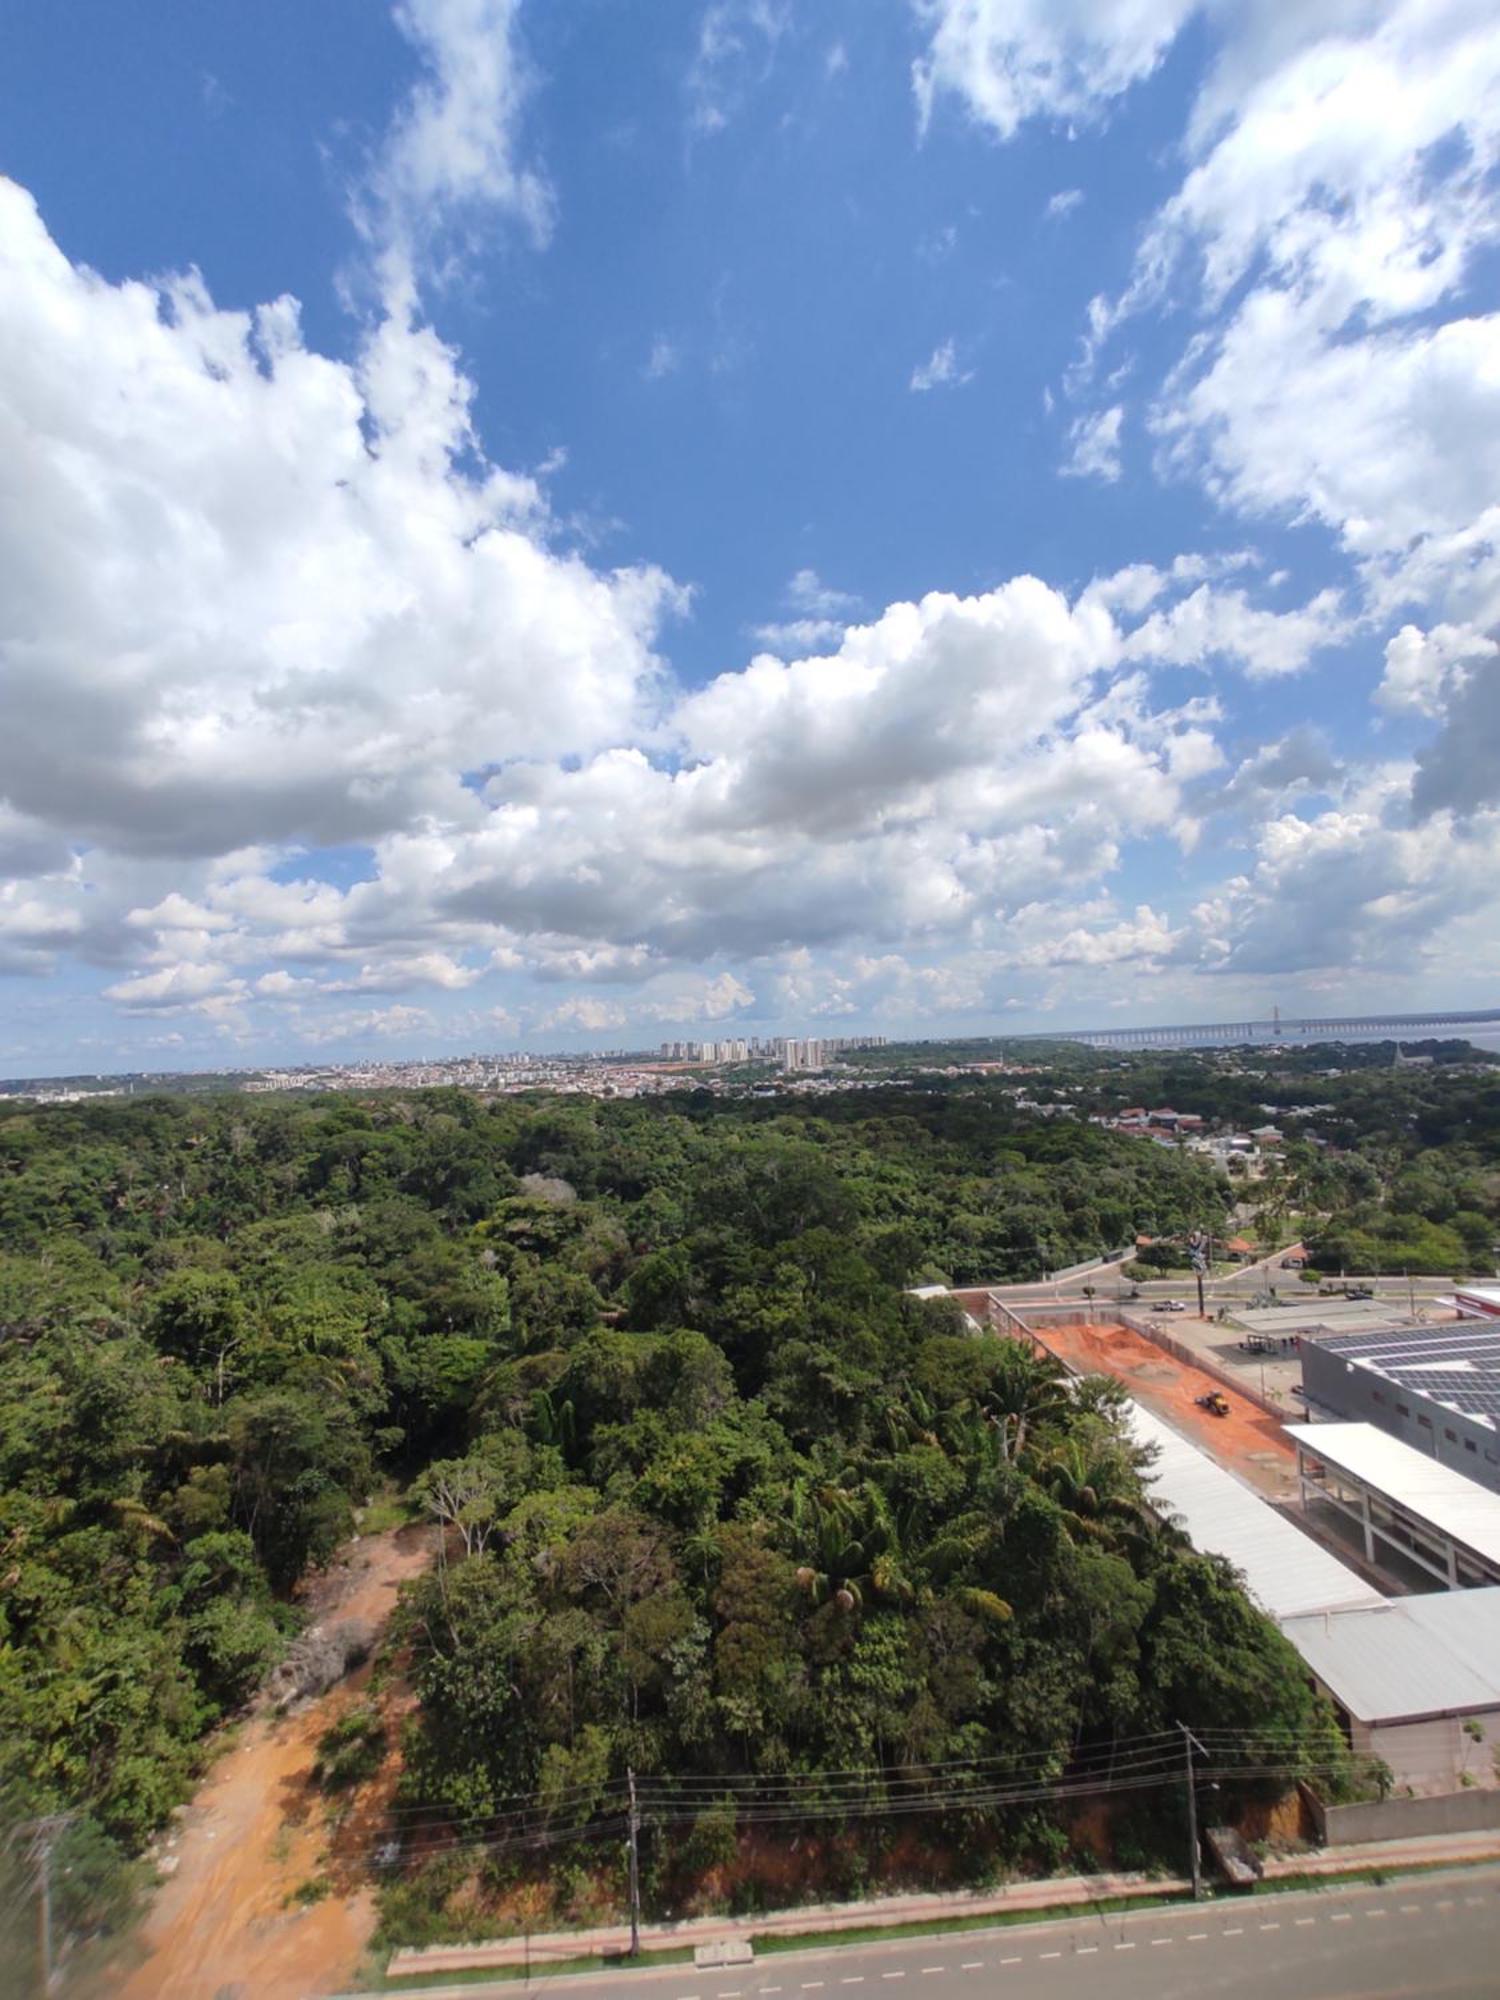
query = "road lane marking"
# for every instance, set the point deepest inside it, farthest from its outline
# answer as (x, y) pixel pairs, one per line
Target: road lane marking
(1125, 1947)
(1196, 1937)
(1010, 1961)
(1161, 1940)
(1447, 1904)
(1238, 1931)
(1375, 1913)
(1411, 1909)
(1270, 1927)
(1473, 1902)
(811, 1985)
(1087, 1950)
(1303, 1922)
(1049, 1954)
(893, 1975)
(854, 1979)
(934, 1968)
(1342, 1917)
(972, 1965)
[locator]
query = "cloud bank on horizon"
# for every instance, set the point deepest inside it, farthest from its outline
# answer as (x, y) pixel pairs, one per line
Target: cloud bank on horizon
(1142, 664)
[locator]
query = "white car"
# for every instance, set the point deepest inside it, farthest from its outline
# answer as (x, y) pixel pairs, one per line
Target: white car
(1171, 1306)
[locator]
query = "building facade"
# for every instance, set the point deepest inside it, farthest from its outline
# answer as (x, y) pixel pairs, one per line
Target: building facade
(1435, 1388)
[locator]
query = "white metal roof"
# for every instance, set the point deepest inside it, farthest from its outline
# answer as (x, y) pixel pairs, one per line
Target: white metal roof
(1459, 1508)
(1286, 1571)
(1407, 1659)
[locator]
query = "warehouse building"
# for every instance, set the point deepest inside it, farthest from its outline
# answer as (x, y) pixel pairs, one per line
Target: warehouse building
(1285, 1571)
(1417, 1682)
(1436, 1388)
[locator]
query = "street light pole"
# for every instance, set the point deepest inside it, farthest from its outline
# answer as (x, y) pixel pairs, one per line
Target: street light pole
(635, 1870)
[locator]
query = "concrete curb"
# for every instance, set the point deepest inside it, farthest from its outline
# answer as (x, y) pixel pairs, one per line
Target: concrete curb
(886, 1912)
(802, 1919)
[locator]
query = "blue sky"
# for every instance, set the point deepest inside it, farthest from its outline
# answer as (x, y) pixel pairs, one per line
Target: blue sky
(570, 525)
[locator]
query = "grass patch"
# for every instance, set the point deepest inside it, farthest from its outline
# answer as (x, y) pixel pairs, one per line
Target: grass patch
(403, 1982)
(391, 1507)
(1098, 1906)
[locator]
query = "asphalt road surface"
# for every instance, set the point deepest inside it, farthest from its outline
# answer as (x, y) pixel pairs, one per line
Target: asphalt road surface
(1417, 1938)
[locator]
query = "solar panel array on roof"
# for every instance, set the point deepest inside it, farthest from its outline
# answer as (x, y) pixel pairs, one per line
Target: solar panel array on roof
(1462, 1342)
(1457, 1365)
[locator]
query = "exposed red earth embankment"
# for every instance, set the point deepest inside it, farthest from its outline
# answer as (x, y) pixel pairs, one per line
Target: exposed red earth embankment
(222, 1925)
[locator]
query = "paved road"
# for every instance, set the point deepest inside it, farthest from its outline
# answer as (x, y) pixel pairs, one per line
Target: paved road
(1417, 1938)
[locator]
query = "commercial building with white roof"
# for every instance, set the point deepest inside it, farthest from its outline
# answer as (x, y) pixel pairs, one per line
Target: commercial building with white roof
(1286, 1571)
(1402, 1499)
(1418, 1680)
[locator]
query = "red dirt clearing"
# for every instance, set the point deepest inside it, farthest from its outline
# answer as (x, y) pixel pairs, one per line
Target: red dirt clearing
(221, 1926)
(1246, 1441)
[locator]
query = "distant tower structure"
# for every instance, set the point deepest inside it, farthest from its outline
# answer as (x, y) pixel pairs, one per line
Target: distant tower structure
(1276, 1022)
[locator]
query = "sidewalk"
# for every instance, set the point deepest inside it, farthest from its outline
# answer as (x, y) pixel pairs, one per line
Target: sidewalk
(886, 1911)
(879, 1912)
(1431, 1850)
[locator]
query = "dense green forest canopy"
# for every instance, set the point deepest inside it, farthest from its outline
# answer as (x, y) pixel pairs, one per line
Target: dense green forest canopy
(733, 1501)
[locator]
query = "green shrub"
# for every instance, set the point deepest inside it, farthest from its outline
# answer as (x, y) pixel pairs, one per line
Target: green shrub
(352, 1750)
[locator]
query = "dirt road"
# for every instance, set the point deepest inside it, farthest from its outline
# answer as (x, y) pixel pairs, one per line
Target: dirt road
(1247, 1441)
(220, 1928)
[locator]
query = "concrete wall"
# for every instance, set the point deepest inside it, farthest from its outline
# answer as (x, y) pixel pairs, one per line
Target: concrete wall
(1404, 1819)
(1363, 1398)
(1436, 1755)
(1089, 1264)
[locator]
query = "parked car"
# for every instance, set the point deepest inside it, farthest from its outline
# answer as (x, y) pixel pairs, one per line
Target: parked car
(1294, 1263)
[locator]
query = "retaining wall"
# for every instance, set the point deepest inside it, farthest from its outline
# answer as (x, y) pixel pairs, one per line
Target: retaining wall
(1476, 1811)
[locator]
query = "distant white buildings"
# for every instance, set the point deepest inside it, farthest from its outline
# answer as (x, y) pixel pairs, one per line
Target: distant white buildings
(790, 1052)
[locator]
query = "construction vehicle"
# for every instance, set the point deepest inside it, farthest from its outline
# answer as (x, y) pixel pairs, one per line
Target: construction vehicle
(1215, 1402)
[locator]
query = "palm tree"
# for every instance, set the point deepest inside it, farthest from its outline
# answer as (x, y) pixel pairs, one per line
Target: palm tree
(849, 1545)
(1094, 1481)
(1025, 1393)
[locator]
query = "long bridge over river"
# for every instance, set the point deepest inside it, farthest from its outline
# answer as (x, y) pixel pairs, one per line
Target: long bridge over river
(1230, 1034)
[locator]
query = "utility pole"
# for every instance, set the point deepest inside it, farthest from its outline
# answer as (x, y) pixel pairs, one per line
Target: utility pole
(635, 1869)
(43, 1834)
(1190, 1743)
